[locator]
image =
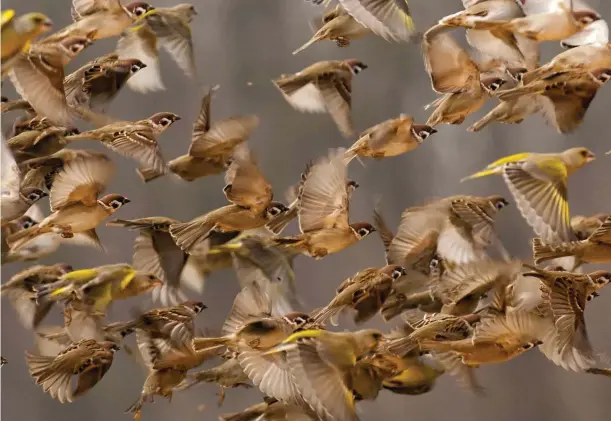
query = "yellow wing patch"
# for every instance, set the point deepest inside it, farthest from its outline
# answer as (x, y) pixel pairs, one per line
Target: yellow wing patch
(554, 167)
(128, 278)
(511, 158)
(312, 333)
(81, 275)
(7, 16)
(60, 291)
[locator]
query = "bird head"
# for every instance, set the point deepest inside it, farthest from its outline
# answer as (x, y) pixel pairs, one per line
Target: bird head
(600, 278)
(368, 339)
(577, 157)
(585, 17)
(36, 23)
(138, 8)
(362, 229)
(275, 209)
(25, 222)
(162, 121)
(498, 202)
(351, 186)
(72, 46)
(601, 75)
(32, 194)
(493, 84)
(196, 306)
(114, 201)
(355, 66)
(421, 131)
(394, 271)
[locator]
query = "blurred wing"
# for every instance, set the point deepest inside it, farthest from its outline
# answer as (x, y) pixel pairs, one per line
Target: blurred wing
(448, 65)
(223, 136)
(320, 384)
(140, 144)
(174, 35)
(42, 85)
(249, 188)
(337, 96)
(271, 373)
(324, 199)
(81, 180)
(542, 202)
(250, 303)
(140, 42)
(389, 19)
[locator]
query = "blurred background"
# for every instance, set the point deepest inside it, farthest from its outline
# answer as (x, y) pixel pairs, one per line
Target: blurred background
(241, 45)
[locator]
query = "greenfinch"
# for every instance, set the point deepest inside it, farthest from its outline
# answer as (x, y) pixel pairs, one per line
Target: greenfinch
(18, 32)
(538, 182)
(99, 286)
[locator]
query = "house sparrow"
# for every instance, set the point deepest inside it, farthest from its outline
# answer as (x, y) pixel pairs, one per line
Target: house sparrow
(325, 86)
(212, 144)
(38, 76)
(12, 227)
(228, 374)
(498, 43)
(495, 339)
(74, 201)
(164, 338)
(390, 138)
(41, 139)
(160, 27)
(461, 288)
(156, 252)
(586, 57)
(341, 28)
(464, 90)
(18, 33)
(272, 409)
(98, 286)
(538, 182)
(365, 292)
(17, 197)
(323, 211)
(568, 95)
(252, 205)
(292, 195)
(137, 140)
(557, 22)
(103, 18)
(98, 82)
(88, 359)
(565, 295)
(21, 289)
(594, 249)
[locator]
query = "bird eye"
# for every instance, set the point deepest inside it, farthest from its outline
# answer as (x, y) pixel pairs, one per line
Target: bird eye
(134, 68)
(423, 134)
(28, 224)
(434, 264)
(140, 11)
(33, 196)
(76, 48)
(274, 211)
(376, 336)
(397, 273)
(115, 204)
(500, 204)
(363, 232)
(526, 347)
(164, 121)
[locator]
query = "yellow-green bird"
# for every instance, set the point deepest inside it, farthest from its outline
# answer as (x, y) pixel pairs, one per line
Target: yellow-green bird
(538, 182)
(17, 32)
(99, 286)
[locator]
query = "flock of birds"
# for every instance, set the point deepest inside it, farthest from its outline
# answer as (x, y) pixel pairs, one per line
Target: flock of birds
(463, 299)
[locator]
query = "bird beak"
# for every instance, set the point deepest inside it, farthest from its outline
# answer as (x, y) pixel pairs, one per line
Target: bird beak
(591, 157)
(177, 118)
(126, 200)
(48, 23)
(433, 131)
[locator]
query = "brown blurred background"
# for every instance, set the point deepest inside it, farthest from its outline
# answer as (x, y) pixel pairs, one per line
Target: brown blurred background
(242, 41)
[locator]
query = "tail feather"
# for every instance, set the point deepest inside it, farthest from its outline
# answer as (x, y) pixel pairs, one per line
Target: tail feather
(37, 364)
(314, 39)
(483, 122)
(21, 238)
(543, 252)
(329, 312)
(483, 173)
(511, 94)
